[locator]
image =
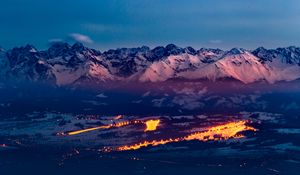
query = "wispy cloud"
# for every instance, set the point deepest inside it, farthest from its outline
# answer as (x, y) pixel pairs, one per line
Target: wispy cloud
(72, 37)
(77, 37)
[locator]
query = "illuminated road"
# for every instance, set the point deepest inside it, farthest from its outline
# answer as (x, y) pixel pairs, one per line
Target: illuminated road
(151, 125)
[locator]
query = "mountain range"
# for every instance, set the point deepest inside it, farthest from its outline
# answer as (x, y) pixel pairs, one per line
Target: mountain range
(65, 64)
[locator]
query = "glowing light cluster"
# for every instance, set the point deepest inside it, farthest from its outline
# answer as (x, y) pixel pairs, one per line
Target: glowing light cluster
(151, 125)
(220, 132)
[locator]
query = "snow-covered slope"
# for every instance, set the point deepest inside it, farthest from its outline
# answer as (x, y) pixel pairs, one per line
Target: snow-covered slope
(238, 64)
(171, 67)
(72, 63)
(241, 66)
(65, 64)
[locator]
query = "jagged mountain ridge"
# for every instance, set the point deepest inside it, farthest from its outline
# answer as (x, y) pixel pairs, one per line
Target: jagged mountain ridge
(64, 64)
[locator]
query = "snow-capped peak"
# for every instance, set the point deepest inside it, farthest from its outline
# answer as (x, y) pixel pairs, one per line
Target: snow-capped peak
(235, 51)
(67, 64)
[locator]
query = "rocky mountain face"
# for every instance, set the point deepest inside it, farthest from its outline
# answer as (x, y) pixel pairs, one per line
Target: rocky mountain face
(64, 64)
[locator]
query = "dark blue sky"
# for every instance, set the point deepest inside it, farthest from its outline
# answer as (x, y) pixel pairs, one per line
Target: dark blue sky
(104, 24)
